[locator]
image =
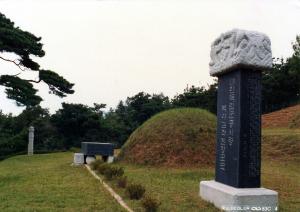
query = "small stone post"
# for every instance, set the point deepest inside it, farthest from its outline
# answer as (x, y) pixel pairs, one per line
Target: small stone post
(30, 140)
(237, 59)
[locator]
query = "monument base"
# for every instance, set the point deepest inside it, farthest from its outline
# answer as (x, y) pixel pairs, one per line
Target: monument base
(229, 198)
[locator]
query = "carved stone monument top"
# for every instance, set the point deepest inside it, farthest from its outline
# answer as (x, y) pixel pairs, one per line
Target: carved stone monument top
(240, 48)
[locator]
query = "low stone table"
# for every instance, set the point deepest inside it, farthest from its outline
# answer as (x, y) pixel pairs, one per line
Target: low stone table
(91, 149)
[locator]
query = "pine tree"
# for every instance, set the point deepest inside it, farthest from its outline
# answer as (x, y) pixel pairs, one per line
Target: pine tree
(24, 44)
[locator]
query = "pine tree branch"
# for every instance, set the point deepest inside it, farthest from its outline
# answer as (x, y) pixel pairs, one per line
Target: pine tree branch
(35, 81)
(14, 62)
(17, 74)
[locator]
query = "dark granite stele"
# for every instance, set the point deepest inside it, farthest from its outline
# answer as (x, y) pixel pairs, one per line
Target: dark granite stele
(94, 148)
(238, 143)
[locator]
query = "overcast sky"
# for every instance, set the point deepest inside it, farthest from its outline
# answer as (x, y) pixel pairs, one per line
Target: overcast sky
(112, 49)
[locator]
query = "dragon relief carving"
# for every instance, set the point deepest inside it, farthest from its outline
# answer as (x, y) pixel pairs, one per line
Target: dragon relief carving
(240, 47)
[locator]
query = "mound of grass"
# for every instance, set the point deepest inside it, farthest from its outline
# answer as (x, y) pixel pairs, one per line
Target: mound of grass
(177, 137)
(281, 118)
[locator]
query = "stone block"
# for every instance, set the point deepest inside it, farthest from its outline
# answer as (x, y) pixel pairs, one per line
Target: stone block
(90, 159)
(78, 158)
(229, 198)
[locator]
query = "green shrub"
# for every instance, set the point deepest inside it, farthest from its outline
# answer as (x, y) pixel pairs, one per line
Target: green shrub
(113, 172)
(150, 204)
(95, 164)
(74, 149)
(12, 145)
(122, 182)
(102, 168)
(135, 191)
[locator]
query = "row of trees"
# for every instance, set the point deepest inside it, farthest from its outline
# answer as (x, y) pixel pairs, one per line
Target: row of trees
(281, 84)
(75, 123)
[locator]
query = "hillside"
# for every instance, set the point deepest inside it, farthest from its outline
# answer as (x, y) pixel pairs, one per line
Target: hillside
(281, 118)
(177, 137)
(281, 135)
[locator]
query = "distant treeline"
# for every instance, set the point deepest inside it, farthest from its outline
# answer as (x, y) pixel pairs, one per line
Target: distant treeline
(75, 123)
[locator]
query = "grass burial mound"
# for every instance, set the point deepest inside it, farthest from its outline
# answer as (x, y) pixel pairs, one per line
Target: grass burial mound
(174, 138)
(285, 118)
(281, 134)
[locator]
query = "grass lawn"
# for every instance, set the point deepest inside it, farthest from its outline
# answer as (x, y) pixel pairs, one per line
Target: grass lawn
(177, 189)
(283, 177)
(48, 183)
(280, 131)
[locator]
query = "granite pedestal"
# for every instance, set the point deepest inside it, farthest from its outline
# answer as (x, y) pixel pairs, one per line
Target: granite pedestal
(233, 199)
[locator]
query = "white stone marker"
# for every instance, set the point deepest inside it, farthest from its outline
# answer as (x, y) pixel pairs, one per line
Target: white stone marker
(30, 140)
(78, 159)
(90, 159)
(110, 159)
(237, 59)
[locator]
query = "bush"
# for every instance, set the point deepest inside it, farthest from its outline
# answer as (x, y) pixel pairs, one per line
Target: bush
(122, 182)
(102, 168)
(150, 204)
(135, 191)
(11, 145)
(95, 164)
(74, 149)
(113, 172)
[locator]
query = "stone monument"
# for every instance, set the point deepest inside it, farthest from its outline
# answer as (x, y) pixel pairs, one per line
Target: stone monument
(237, 59)
(30, 140)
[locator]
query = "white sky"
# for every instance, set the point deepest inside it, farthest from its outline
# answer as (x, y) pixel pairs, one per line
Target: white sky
(112, 49)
